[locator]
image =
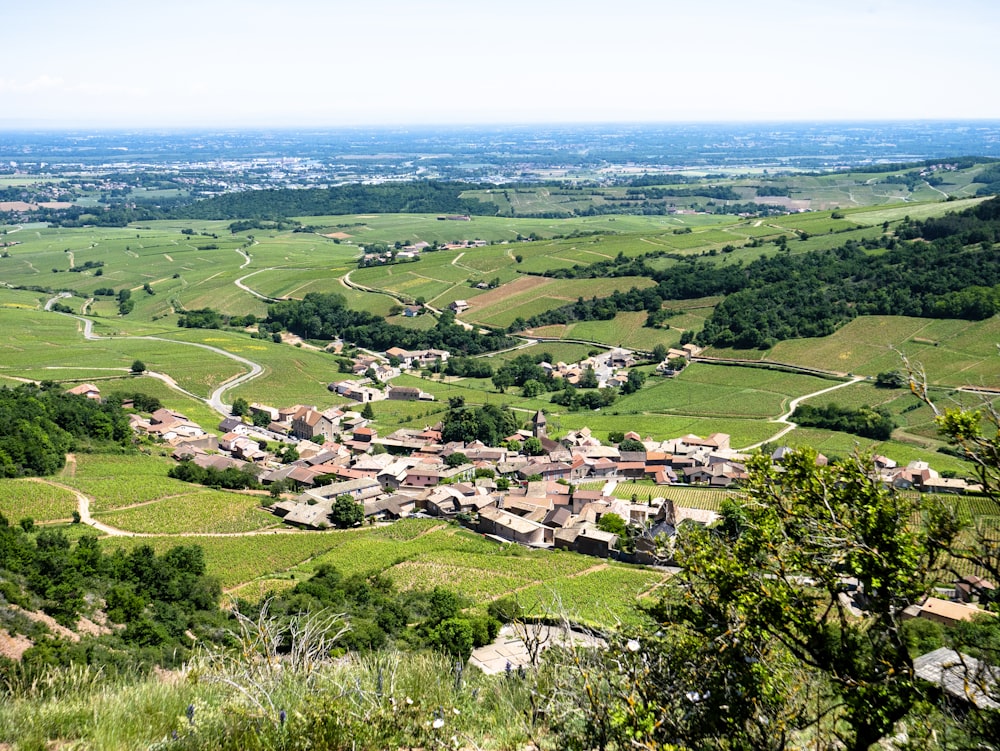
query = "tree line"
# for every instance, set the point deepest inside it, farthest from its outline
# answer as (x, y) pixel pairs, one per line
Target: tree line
(40, 423)
(326, 316)
(939, 268)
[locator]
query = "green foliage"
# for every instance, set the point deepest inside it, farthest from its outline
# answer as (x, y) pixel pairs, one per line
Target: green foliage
(326, 316)
(138, 367)
(612, 523)
(240, 408)
(890, 379)
(875, 423)
(347, 512)
(490, 424)
(230, 478)
(38, 425)
(823, 524)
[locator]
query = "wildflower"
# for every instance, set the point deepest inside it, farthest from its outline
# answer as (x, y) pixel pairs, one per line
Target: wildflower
(455, 711)
(438, 723)
(632, 645)
(282, 716)
(409, 701)
(190, 714)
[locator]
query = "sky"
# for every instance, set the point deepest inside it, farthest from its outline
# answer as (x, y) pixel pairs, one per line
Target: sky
(315, 63)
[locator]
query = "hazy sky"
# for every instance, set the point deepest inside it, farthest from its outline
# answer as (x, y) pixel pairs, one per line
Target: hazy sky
(315, 62)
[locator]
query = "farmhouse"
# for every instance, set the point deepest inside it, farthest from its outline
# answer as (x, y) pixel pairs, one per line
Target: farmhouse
(88, 390)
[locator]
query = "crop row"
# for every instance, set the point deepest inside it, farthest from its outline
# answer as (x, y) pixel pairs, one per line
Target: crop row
(198, 512)
(37, 500)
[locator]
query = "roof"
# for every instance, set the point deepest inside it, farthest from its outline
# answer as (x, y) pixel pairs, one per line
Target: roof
(953, 611)
(960, 676)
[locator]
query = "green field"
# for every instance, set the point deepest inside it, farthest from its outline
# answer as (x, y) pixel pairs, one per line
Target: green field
(193, 512)
(702, 389)
(37, 500)
(953, 352)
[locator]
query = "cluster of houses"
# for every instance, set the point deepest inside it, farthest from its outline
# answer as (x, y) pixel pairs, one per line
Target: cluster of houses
(677, 359)
(412, 252)
(609, 368)
(511, 492)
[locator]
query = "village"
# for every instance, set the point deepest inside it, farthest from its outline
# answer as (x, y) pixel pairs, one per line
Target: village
(532, 489)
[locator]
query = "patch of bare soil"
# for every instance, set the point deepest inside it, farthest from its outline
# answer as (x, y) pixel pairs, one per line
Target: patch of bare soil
(90, 628)
(522, 284)
(49, 622)
(12, 647)
(338, 235)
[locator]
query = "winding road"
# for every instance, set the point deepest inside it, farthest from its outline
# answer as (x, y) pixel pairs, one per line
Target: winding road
(789, 425)
(215, 399)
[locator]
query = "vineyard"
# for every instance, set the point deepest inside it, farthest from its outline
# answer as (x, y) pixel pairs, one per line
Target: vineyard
(200, 512)
(114, 481)
(605, 596)
(239, 560)
(39, 501)
(683, 496)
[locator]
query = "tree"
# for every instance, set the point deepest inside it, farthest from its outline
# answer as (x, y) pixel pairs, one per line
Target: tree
(346, 512)
(533, 446)
(240, 408)
(660, 352)
(456, 459)
(769, 586)
(612, 523)
(631, 444)
(260, 418)
(890, 379)
(635, 380)
(368, 413)
(138, 367)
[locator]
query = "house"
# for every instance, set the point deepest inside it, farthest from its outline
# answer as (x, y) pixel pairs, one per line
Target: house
(408, 394)
(494, 521)
(359, 489)
(946, 612)
(424, 475)
(393, 507)
(412, 311)
(88, 390)
(459, 306)
(309, 424)
(960, 676)
(972, 588)
(592, 541)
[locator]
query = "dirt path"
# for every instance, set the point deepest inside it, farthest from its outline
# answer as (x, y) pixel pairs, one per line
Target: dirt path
(789, 425)
(215, 400)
